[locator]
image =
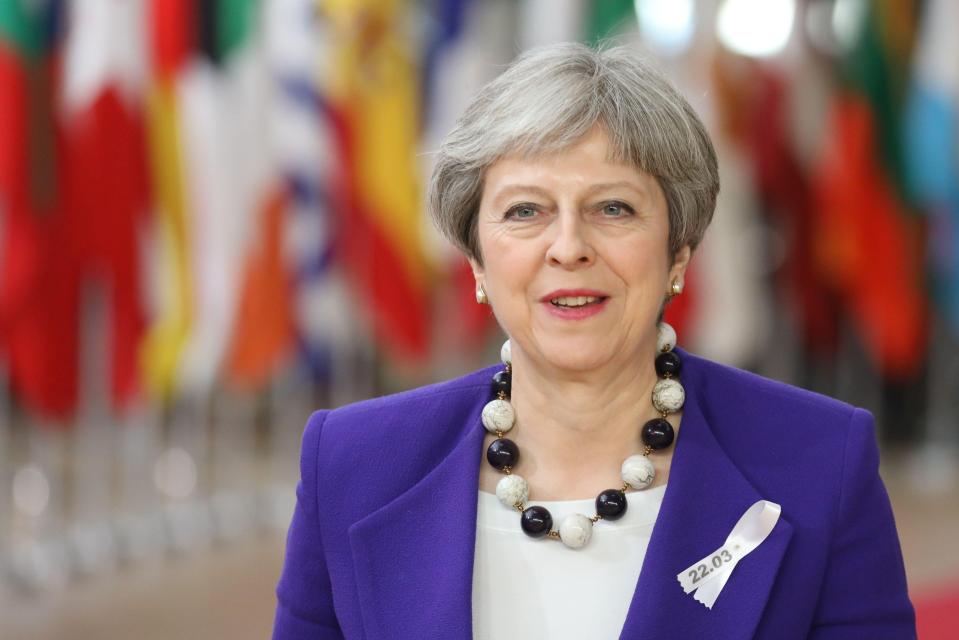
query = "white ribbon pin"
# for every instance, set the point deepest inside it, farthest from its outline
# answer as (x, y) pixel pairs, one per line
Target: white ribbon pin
(708, 576)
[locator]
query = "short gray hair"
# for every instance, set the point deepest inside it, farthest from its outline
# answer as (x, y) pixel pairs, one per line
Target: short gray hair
(548, 99)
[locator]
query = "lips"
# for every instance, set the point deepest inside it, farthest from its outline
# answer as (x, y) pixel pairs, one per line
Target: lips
(574, 303)
(574, 297)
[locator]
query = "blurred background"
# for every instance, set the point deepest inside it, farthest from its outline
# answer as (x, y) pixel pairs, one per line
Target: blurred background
(212, 223)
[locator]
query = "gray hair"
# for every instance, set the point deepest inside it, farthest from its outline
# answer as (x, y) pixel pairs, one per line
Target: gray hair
(548, 99)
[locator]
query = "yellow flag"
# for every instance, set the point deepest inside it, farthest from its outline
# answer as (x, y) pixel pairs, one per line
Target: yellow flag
(170, 328)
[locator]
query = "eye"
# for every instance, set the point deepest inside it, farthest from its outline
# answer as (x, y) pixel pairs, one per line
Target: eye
(523, 211)
(616, 209)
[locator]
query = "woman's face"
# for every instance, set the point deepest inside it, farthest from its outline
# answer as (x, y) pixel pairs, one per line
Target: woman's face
(575, 255)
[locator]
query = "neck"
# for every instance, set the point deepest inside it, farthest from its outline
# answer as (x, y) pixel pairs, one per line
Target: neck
(575, 430)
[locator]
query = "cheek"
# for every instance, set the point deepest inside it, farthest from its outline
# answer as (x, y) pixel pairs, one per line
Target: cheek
(642, 268)
(510, 262)
(644, 276)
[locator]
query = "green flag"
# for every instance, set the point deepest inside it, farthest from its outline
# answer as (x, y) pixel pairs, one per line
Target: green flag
(26, 29)
(237, 18)
(607, 18)
(225, 26)
(877, 68)
(24, 26)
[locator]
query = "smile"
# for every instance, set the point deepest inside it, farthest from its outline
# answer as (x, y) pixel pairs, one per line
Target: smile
(574, 301)
(574, 304)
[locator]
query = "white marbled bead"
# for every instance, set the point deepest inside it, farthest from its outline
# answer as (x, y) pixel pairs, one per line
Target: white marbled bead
(512, 490)
(498, 415)
(576, 530)
(665, 338)
(638, 471)
(668, 395)
(505, 353)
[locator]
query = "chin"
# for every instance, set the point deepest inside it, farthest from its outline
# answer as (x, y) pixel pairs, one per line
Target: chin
(575, 365)
(577, 355)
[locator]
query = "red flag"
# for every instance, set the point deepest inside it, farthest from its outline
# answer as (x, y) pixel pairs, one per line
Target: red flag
(784, 189)
(106, 196)
(866, 244)
(380, 214)
(38, 278)
(753, 103)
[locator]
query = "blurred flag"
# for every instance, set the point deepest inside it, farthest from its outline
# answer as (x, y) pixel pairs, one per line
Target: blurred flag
(545, 22)
(867, 245)
(263, 334)
(783, 188)
(461, 56)
(725, 310)
(38, 280)
(932, 145)
(105, 176)
(380, 222)
(608, 18)
(301, 139)
(222, 97)
(172, 40)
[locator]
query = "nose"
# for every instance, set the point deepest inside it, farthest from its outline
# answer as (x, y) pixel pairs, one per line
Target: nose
(570, 247)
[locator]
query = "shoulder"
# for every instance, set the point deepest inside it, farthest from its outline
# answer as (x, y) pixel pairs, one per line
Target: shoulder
(774, 431)
(403, 433)
(414, 405)
(728, 388)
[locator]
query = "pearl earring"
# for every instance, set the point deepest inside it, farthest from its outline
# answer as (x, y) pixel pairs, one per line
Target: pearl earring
(676, 288)
(481, 297)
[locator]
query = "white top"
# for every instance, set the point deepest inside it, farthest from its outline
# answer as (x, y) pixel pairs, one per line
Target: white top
(526, 588)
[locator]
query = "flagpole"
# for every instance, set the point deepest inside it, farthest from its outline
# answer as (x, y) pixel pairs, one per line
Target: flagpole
(934, 468)
(38, 553)
(90, 535)
(858, 380)
(6, 463)
(183, 474)
(233, 465)
(141, 532)
(288, 408)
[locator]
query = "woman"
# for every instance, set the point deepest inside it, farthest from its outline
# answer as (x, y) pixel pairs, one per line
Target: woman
(578, 183)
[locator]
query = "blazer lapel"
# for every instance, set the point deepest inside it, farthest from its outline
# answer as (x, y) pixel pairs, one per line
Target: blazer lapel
(413, 557)
(705, 496)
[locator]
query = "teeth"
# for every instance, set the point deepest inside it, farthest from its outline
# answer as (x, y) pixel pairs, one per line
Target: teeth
(574, 301)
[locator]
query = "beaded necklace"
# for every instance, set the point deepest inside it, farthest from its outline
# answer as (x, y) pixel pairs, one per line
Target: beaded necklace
(637, 470)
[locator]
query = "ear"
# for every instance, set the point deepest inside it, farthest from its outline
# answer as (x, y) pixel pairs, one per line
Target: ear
(677, 272)
(479, 274)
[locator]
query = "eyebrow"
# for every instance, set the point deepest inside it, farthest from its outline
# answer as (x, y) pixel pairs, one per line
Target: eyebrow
(603, 186)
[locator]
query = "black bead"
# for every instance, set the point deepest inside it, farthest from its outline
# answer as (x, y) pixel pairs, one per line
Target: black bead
(611, 504)
(502, 453)
(668, 364)
(536, 521)
(658, 433)
(502, 381)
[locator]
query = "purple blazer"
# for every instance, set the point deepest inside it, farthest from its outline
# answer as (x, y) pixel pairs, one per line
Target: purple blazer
(381, 544)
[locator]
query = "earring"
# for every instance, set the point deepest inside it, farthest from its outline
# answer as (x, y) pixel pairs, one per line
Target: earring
(481, 297)
(676, 288)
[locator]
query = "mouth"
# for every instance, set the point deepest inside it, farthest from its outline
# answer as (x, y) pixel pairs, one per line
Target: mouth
(576, 302)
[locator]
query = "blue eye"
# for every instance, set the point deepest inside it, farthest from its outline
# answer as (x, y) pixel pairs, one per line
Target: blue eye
(521, 212)
(616, 210)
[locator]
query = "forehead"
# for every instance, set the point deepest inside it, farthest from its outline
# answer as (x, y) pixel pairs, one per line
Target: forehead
(588, 163)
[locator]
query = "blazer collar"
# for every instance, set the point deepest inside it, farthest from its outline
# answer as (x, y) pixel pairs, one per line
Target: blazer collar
(413, 557)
